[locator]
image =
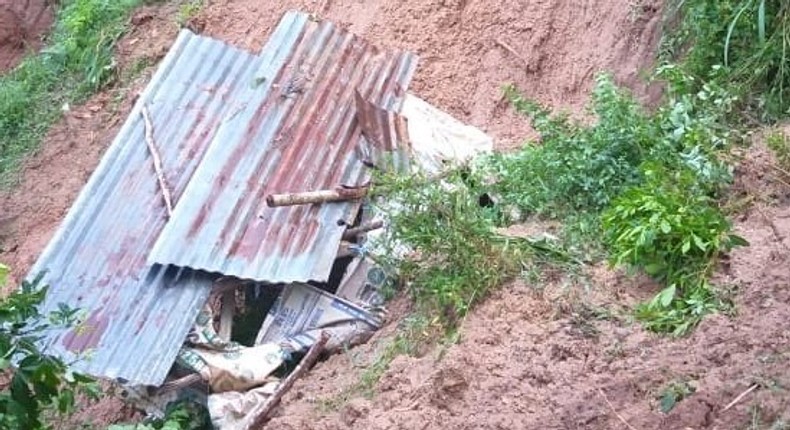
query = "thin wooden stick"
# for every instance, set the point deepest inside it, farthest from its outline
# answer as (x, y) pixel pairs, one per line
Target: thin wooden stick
(741, 396)
(614, 411)
(160, 175)
(259, 417)
(512, 51)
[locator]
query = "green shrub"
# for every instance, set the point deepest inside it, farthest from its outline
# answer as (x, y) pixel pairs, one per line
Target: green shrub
(575, 167)
(675, 234)
(645, 182)
(41, 386)
(455, 255)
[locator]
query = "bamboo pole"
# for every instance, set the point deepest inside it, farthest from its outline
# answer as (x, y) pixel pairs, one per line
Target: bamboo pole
(312, 197)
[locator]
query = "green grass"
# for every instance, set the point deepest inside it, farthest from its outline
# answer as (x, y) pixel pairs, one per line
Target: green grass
(744, 44)
(187, 11)
(77, 61)
(779, 143)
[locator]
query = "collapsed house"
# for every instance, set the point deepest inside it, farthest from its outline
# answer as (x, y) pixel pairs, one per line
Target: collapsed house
(239, 175)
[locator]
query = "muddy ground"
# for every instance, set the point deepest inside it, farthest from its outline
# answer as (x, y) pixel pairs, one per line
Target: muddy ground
(532, 356)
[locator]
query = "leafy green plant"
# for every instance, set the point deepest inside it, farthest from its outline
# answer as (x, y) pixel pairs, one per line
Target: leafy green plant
(645, 182)
(40, 385)
(456, 257)
(672, 234)
(575, 167)
(77, 61)
(182, 415)
(673, 394)
(675, 235)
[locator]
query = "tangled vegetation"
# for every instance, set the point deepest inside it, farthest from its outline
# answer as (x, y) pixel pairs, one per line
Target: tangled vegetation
(749, 40)
(642, 184)
(642, 187)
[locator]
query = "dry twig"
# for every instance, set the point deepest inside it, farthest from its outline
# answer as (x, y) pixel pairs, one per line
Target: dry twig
(614, 411)
(741, 396)
(160, 175)
(259, 416)
(506, 46)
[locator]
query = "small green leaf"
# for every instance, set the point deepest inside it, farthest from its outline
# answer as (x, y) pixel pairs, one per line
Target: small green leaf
(686, 246)
(736, 240)
(653, 269)
(699, 242)
(668, 402)
(66, 401)
(665, 227)
(666, 295)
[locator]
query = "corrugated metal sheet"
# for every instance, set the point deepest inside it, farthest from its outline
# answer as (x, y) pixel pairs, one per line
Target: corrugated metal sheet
(136, 316)
(302, 135)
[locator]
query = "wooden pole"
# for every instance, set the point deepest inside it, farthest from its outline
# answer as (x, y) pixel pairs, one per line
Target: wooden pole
(160, 175)
(259, 416)
(227, 310)
(364, 228)
(312, 197)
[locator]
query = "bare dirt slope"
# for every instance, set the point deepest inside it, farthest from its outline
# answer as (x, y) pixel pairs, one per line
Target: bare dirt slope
(22, 24)
(469, 48)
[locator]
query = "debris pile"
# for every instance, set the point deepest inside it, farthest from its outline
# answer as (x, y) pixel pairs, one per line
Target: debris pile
(225, 236)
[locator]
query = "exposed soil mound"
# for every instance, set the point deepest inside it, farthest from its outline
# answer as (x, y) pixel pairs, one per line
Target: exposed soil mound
(22, 24)
(468, 49)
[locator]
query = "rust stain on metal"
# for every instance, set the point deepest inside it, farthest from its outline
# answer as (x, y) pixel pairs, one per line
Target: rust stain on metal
(301, 135)
(86, 336)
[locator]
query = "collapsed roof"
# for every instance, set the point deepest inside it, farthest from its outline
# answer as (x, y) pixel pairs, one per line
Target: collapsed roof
(230, 127)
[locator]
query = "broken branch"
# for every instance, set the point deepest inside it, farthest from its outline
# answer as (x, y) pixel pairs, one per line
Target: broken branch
(312, 197)
(506, 46)
(160, 175)
(258, 418)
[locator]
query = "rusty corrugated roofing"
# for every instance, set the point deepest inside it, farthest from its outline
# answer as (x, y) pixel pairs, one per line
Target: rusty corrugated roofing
(136, 316)
(302, 135)
(225, 122)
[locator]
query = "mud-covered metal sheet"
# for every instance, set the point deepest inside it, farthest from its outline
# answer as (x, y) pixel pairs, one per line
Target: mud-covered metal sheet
(302, 135)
